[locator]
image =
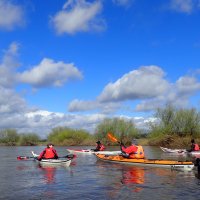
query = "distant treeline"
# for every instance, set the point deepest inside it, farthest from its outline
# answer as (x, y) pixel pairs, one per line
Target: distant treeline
(172, 127)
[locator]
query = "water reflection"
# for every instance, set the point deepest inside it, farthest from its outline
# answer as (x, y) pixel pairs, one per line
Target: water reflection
(48, 173)
(133, 176)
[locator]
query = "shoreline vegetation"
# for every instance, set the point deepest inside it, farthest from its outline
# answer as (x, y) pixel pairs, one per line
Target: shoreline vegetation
(172, 127)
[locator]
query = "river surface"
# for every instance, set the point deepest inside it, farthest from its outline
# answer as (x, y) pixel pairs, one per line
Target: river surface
(90, 179)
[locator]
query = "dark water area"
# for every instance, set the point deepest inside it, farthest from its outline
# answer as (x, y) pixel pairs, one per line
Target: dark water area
(90, 179)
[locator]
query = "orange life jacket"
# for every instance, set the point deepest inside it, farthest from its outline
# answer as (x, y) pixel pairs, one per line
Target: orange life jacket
(139, 153)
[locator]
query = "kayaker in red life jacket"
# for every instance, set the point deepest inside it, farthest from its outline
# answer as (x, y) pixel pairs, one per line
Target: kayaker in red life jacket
(99, 147)
(133, 151)
(194, 146)
(48, 153)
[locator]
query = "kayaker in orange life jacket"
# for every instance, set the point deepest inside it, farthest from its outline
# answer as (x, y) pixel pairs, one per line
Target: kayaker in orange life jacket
(133, 151)
(48, 153)
(99, 147)
(194, 146)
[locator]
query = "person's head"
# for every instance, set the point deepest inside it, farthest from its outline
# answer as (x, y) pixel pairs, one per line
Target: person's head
(192, 141)
(98, 142)
(134, 142)
(50, 145)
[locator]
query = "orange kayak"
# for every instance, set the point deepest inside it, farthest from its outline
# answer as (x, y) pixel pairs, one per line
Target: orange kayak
(171, 164)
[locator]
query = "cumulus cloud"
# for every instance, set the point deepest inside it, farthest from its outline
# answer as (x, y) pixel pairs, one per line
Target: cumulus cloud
(146, 82)
(14, 111)
(50, 73)
(146, 89)
(177, 94)
(78, 16)
(11, 15)
(9, 65)
(79, 106)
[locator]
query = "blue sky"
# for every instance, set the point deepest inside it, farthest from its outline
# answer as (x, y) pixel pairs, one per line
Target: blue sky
(73, 63)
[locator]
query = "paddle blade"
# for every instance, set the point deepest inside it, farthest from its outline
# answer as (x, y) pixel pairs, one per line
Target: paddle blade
(22, 158)
(112, 138)
(71, 156)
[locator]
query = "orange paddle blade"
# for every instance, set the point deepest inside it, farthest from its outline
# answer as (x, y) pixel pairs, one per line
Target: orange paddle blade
(111, 137)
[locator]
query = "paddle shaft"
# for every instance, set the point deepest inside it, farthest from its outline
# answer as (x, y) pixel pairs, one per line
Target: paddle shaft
(28, 157)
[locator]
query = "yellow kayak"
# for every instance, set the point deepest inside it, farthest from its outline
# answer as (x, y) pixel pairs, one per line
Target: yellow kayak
(171, 164)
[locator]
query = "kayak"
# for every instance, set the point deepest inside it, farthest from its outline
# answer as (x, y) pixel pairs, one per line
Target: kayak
(180, 151)
(167, 150)
(170, 164)
(89, 151)
(61, 161)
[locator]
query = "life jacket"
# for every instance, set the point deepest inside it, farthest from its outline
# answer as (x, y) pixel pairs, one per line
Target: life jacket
(196, 147)
(102, 147)
(138, 154)
(129, 150)
(49, 153)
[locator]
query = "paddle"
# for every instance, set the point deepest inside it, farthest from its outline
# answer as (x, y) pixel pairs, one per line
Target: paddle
(70, 156)
(112, 138)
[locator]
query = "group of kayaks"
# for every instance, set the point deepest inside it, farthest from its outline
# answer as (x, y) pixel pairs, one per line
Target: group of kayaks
(116, 157)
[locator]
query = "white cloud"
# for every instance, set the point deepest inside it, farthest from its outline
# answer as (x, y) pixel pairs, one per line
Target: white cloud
(146, 82)
(50, 73)
(146, 88)
(8, 66)
(177, 94)
(11, 15)
(185, 6)
(187, 85)
(79, 106)
(79, 16)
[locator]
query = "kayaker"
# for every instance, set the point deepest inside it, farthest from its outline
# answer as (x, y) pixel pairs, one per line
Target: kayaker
(133, 151)
(194, 146)
(48, 153)
(99, 147)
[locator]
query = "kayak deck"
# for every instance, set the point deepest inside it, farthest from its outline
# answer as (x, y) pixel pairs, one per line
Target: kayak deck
(89, 151)
(171, 164)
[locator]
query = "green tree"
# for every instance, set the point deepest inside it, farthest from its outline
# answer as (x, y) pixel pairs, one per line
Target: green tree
(9, 137)
(68, 136)
(30, 139)
(123, 129)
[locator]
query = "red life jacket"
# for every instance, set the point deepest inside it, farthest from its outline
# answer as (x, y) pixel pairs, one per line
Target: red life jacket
(102, 147)
(130, 150)
(134, 151)
(196, 147)
(49, 153)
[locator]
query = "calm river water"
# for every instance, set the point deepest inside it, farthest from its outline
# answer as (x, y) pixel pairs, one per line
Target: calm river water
(90, 179)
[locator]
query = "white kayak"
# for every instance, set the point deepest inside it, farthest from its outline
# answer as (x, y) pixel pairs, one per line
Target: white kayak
(180, 151)
(89, 151)
(61, 161)
(167, 150)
